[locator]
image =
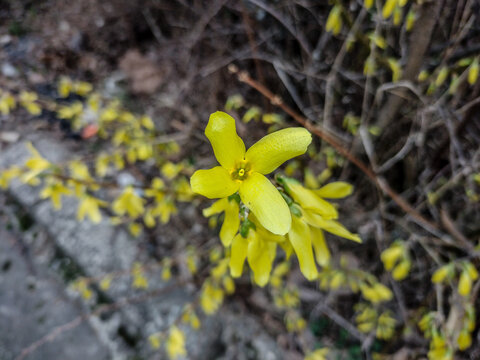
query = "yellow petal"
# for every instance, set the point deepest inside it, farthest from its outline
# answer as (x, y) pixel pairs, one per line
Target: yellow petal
(273, 150)
(441, 273)
(230, 223)
(390, 256)
(238, 255)
(259, 258)
(266, 203)
(226, 144)
(330, 226)
(464, 340)
(216, 208)
(335, 190)
(464, 284)
(401, 270)
(309, 200)
(300, 238)
(388, 8)
(322, 254)
(213, 183)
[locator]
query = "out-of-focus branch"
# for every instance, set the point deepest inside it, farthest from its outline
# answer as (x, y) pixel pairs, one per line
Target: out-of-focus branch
(419, 42)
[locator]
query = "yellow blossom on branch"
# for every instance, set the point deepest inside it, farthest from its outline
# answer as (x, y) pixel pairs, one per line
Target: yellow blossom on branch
(244, 171)
(128, 202)
(176, 343)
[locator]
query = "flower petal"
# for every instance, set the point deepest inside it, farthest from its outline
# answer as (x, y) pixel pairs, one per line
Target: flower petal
(230, 223)
(322, 254)
(309, 200)
(273, 150)
(335, 190)
(238, 255)
(213, 183)
(260, 259)
(331, 226)
(227, 145)
(216, 208)
(266, 203)
(300, 238)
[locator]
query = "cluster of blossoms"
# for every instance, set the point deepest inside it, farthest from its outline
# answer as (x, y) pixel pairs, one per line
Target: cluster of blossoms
(259, 216)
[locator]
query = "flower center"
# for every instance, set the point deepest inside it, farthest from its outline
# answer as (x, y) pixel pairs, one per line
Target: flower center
(241, 170)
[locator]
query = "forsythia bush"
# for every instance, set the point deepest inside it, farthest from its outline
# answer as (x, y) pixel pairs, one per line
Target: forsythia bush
(272, 212)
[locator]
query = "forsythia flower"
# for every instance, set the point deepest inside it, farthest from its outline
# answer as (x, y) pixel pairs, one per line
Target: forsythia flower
(36, 165)
(128, 202)
(244, 171)
(211, 298)
(319, 354)
(90, 206)
(54, 191)
(315, 215)
(176, 343)
(259, 248)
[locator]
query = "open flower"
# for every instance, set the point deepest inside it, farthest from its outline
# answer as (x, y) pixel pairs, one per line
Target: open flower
(244, 171)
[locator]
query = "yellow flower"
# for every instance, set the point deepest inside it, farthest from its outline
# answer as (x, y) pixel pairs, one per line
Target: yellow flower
(376, 293)
(128, 202)
(473, 72)
(8, 175)
(176, 343)
(464, 340)
(65, 85)
(7, 103)
(27, 100)
(211, 298)
(258, 246)
(391, 255)
(401, 270)
(36, 164)
(368, 3)
(139, 279)
(90, 206)
(388, 8)
(171, 170)
(334, 20)
(301, 239)
(244, 171)
(442, 272)
(155, 340)
(54, 191)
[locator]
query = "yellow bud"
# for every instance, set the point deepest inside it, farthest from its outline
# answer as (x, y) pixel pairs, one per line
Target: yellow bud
(441, 273)
(402, 270)
(410, 21)
(464, 340)
(473, 72)
(388, 8)
(464, 283)
(334, 20)
(442, 76)
(391, 255)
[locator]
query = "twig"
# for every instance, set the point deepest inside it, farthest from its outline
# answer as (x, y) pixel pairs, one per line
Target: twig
(299, 36)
